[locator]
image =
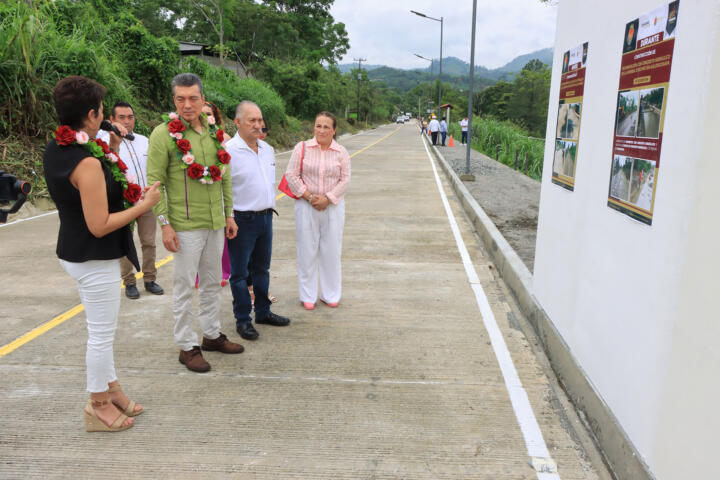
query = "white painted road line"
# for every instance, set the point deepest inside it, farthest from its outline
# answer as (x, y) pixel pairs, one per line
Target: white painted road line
(541, 461)
(26, 219)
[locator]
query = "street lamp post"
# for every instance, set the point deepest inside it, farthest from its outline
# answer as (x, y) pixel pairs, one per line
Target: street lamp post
(441, 42)
(431, 62)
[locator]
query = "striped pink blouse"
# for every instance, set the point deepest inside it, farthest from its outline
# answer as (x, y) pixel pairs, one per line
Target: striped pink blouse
(324, 172)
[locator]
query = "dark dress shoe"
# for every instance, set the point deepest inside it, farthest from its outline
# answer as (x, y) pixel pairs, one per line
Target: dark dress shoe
(131, 291)
(221, 344)
(154, 288)
(274, 320)
(194, 360)
(247, 331)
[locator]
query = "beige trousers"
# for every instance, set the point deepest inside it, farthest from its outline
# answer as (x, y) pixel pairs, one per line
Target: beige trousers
(145, 226)
(200, 253)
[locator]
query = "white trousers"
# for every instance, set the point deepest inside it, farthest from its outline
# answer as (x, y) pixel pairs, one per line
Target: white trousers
(319, 248)
(98, 284)
(199, 253)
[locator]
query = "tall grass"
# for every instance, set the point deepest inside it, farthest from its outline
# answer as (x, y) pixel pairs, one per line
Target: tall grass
(505, 141)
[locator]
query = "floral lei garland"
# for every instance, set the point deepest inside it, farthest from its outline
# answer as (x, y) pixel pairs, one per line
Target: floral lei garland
(132, 192)
(201, 173)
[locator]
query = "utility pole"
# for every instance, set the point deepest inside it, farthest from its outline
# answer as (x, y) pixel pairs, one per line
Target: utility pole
(467, 176)
(359, 75)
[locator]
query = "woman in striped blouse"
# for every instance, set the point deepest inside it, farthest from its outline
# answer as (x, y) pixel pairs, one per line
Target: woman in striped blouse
(320, 211)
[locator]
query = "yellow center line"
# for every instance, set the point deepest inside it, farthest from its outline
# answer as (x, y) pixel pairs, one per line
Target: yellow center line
(32, 334)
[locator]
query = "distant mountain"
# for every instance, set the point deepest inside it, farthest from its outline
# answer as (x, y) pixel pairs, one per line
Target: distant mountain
(545, 55)
(347, 67)
(454, 70)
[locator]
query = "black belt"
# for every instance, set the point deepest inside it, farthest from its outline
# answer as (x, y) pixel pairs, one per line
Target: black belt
(259, 212)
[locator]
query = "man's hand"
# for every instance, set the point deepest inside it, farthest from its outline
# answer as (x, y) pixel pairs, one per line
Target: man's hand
(170, 239)
(231, 228)
(320, 202)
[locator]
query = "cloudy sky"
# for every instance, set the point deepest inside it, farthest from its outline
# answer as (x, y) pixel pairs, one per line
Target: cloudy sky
(385, 32)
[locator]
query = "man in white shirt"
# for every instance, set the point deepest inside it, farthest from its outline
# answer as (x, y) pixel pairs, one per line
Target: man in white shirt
(434, 128)
(464, 128)
(134, 155)
(252, 169)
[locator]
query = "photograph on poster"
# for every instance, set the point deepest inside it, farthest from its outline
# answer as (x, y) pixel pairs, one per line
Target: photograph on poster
(569, 121)
(627, 114)
(620, 177)
(651, 103)
(642, 183)
(566, 62)
(565, 158)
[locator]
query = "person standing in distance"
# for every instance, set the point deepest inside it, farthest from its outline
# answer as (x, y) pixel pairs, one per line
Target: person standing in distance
(464, 128)
(195, 214)
(443, 130)
(434, 128)
(134, 154)
(253, 182)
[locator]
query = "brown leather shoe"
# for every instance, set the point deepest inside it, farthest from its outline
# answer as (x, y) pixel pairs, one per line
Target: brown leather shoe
(221, 344)
(194, 360)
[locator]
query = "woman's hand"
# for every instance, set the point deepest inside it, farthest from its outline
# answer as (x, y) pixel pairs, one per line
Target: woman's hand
(320, 202)
(115, 139)
(151, 196)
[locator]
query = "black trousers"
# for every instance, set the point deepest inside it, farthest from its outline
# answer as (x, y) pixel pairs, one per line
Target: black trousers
(433, 135)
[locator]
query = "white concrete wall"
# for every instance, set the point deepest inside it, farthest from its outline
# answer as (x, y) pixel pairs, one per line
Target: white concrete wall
(637, 304)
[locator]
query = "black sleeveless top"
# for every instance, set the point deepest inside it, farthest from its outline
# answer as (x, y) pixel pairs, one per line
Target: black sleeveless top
(75, 242)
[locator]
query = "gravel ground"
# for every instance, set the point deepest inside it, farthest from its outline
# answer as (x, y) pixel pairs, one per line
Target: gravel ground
(508, 197)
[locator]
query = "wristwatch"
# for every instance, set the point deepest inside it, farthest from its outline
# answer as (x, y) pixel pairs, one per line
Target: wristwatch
(163, 221)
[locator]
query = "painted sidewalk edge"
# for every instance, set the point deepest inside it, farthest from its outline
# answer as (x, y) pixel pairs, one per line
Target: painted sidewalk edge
(620, 454)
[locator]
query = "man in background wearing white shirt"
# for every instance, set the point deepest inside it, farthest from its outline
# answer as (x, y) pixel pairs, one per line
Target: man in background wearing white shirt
(134, 154)
(252, 169)
(434, 128)
(464, 127)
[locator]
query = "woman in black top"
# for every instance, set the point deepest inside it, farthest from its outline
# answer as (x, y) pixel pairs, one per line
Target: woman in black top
(86, 182)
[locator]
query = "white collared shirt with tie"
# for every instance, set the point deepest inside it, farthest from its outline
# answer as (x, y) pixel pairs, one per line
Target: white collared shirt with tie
(253, 175)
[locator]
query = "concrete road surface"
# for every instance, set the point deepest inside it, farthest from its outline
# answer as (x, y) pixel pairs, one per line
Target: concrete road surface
(401, 381)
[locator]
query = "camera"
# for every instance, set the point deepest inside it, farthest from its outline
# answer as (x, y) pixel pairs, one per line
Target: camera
(12, 190)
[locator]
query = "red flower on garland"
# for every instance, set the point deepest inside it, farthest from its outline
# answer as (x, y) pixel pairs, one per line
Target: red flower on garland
(183, 145)
(133, 192)
(176, 126)
(195, 171)
(105, 147)
(223, 156)
(215, 173)
(65, 135)
(121, 165)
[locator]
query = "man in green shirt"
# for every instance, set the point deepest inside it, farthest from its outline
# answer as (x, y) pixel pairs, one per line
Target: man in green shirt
(195, 214)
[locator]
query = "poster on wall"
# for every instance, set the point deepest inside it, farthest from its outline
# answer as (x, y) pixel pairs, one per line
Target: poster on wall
(647, 55)
(567, 131)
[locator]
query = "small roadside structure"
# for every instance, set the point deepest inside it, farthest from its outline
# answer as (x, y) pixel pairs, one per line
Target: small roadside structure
(205, 53)
(447, 107)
